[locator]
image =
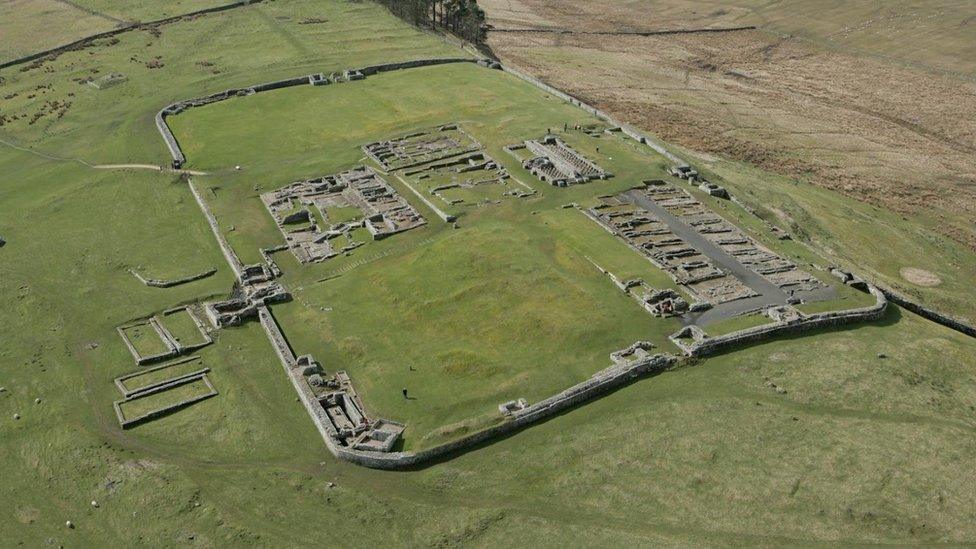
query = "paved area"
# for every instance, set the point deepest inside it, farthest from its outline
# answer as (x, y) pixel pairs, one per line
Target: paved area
(769, 293)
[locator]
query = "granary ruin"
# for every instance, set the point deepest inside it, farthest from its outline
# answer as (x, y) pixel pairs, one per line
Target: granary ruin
(307, 213)
(552, 160)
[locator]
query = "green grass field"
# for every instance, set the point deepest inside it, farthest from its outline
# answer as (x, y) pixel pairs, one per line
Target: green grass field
(860, 449)
(140, 11)
(29, 26)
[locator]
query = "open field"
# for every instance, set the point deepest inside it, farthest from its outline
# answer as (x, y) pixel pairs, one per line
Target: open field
(138, 11)
(28, 26)
(795, 441)
(849, 110)
(31, 26)
(941, 35)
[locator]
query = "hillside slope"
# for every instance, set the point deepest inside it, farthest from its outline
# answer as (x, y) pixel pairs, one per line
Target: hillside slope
(841, 104)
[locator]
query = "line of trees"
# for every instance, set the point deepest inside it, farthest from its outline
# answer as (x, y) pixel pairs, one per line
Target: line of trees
(463, 18)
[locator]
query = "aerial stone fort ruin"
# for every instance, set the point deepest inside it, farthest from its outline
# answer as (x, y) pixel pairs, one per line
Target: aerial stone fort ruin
(461, 272)
(719, 271)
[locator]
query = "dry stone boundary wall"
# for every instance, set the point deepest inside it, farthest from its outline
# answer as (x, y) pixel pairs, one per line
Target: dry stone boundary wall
(952, 322)
(78, 44)
(176, 108)
(229, 255)
(713, 345)
(600, 383)
(160, 283)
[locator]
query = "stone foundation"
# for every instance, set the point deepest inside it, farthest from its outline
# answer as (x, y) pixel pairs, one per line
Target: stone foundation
(555, 162)
(694, 342)
(383, 212)
(159, 283)
(127, 423)
(174, 347)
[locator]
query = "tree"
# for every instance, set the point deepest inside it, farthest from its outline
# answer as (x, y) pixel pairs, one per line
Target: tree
(463, 18)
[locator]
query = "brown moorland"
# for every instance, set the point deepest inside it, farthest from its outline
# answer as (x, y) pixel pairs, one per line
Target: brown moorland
(876, 101)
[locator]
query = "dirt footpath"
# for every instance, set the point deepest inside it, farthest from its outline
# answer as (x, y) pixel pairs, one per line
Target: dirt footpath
(882, 131)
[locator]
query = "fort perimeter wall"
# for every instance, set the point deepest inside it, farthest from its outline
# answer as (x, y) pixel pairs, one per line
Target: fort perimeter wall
(712, 345)
(602, 382)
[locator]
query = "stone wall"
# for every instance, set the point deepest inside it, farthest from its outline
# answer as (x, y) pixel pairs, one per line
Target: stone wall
(159, 283)
(176, 108)
(955, 323)
(278, 84)
(174, 148)
(78, 44)
(179, 158)
(386, 67)
(127, 423)
(712, 345)
(229, 255)
(600, 383)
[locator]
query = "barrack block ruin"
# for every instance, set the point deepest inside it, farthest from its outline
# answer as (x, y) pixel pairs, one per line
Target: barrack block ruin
(649, 218)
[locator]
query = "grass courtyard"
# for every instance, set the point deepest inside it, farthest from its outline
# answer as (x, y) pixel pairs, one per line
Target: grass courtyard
(509, 305)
